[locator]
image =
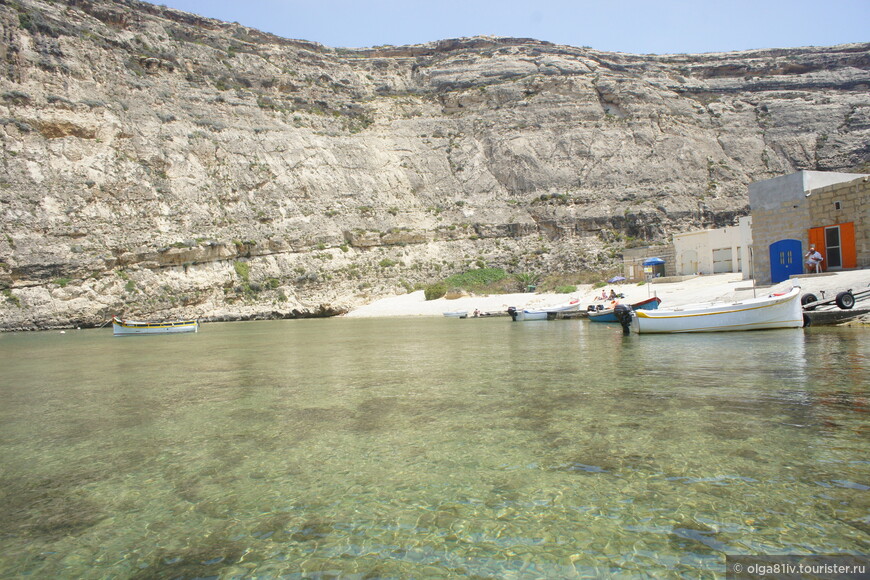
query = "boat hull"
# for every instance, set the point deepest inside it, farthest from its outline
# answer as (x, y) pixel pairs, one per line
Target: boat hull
(608, 314)
(783, 311)
(525, 315)
(129, 327)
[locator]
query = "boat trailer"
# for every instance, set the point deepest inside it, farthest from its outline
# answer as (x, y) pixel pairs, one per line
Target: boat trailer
(844, 300)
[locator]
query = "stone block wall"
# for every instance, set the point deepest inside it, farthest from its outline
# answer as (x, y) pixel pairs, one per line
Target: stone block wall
(843, 203)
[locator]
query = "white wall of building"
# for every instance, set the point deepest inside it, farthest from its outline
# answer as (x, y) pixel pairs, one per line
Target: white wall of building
(715, 251)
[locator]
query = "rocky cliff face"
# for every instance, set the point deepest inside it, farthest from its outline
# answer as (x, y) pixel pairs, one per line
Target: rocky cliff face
(159, 164)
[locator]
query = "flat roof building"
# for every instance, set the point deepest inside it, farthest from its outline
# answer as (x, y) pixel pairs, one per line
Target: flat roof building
(828, 210)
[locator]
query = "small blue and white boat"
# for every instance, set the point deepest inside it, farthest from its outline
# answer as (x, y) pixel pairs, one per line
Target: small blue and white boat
(607, 315)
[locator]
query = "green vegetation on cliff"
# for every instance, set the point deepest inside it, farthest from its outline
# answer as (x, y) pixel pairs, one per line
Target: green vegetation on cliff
(479, 280)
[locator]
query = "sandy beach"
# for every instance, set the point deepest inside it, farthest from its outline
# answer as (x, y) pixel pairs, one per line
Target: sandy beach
(712, 288)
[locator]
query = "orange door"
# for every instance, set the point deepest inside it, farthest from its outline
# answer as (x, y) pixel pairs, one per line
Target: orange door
(817, 239)
(848, 252)
(847, 245)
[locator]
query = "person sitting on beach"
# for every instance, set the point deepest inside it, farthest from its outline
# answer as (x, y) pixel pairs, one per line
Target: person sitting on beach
(813, 260)
(612, 294)
(603, 295)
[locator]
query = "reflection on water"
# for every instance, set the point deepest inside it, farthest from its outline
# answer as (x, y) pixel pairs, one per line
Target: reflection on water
(428, 447)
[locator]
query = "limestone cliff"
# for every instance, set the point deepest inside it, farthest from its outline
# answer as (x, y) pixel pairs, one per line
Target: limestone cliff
(160, 164)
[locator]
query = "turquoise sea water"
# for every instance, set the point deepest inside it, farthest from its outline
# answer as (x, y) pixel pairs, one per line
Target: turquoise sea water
(429, 447)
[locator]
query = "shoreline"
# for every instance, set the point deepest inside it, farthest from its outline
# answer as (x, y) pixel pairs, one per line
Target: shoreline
(673, 292)
(698, 289)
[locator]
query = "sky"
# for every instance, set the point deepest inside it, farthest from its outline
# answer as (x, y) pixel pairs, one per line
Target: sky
(632, 26)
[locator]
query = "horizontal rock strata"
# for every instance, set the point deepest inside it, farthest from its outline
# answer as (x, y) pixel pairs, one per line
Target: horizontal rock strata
(159, 164)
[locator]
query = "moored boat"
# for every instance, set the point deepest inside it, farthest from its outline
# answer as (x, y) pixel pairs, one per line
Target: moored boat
(781, 310)
(525, 314)
(122, 327)
(456, 314)
(549, 312)
(608, 315)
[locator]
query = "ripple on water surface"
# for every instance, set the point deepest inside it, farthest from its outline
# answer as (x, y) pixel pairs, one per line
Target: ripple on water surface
(412, 448)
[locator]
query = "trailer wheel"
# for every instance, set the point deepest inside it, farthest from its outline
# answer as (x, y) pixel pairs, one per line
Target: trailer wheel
(845, 300)
(807, 299)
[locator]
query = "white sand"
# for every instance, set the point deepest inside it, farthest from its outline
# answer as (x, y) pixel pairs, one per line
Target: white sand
(718, 287)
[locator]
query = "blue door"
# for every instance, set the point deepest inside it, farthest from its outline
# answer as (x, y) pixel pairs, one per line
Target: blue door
(785, 260)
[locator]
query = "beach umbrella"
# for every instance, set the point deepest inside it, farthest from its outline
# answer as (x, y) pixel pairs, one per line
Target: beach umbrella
(616, 279)
(653, 262)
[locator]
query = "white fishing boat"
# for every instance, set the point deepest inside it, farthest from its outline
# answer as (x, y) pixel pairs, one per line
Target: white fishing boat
(549, 312)
(456, 314)
(122, 327)
(525, 314)
(782, 310)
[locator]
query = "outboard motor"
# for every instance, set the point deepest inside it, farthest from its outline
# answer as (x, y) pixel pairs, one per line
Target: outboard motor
(623, 315)
(513, 312)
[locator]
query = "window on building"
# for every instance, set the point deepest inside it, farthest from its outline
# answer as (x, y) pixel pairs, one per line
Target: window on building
(832, 247)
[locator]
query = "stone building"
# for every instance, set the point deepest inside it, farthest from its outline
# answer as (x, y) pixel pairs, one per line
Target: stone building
(791, 212)
(840, 223)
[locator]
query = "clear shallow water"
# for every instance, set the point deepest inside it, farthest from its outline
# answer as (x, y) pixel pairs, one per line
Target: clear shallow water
(404, 448)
